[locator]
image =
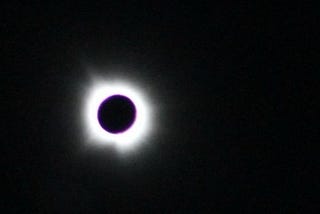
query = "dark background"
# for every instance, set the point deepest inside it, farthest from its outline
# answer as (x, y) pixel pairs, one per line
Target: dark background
(235, 86)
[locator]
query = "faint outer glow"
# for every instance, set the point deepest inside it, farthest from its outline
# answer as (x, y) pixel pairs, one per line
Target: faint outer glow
(125, 140)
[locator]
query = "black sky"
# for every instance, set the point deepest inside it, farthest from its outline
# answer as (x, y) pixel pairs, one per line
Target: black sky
(235, 85)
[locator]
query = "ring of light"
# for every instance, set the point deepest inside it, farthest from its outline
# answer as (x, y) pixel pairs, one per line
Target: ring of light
(138, 129)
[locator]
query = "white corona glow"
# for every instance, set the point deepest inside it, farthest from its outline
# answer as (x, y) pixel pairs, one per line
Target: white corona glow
(132, 136)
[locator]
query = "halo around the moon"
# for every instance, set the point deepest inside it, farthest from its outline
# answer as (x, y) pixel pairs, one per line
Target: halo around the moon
(132, 136)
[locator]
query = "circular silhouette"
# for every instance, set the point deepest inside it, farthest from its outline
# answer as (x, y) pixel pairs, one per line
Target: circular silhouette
(116, 114)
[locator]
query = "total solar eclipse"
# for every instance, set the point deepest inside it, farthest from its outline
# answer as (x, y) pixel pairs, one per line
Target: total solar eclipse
(116, 114)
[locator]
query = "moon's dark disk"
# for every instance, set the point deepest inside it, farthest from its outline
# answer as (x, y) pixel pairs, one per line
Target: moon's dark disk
(116, 114)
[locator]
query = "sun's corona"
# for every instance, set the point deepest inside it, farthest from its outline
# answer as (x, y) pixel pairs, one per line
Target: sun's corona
(133, 135)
